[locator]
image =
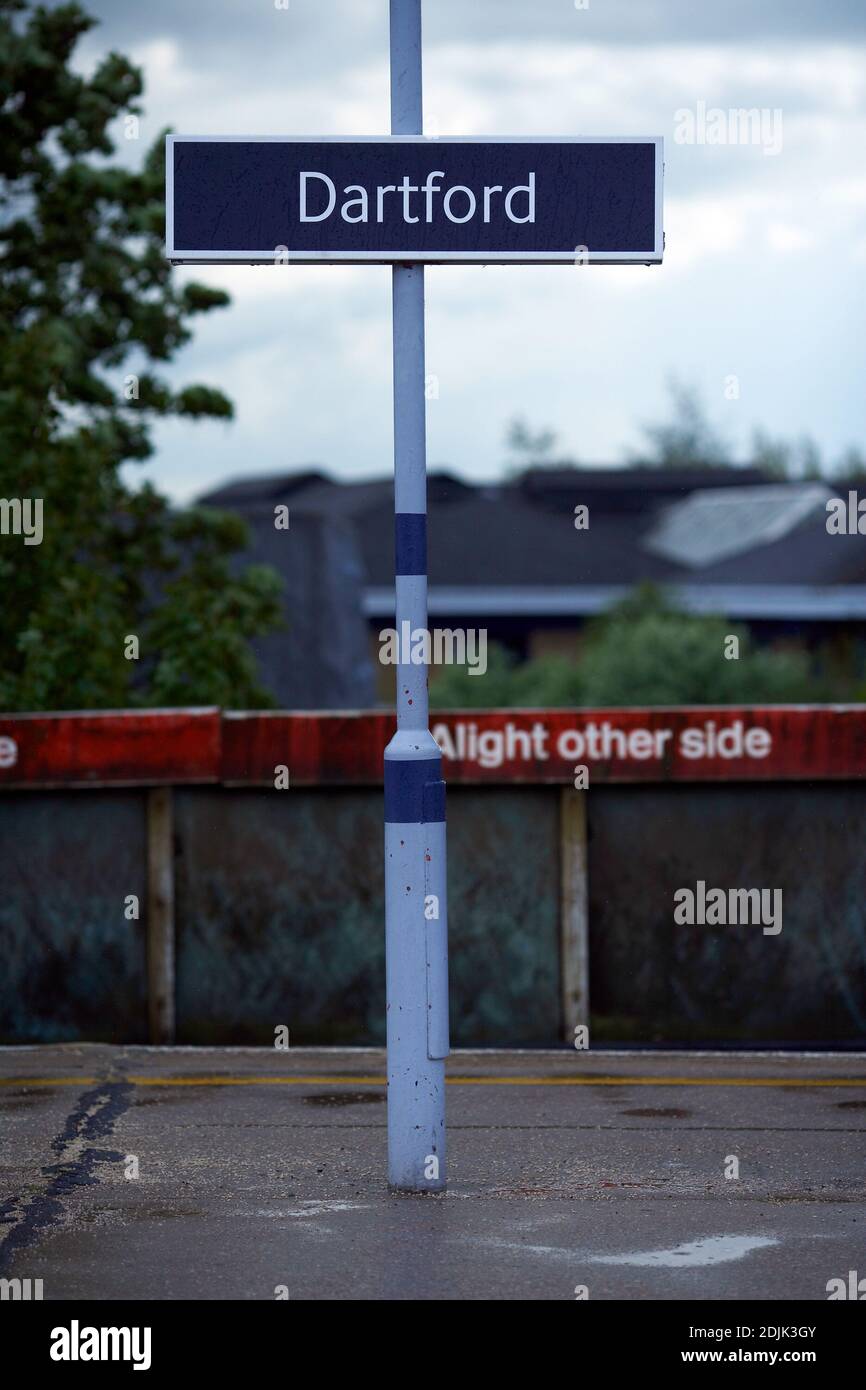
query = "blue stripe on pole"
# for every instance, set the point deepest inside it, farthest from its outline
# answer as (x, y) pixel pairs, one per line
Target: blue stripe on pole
(410, 543)
(433, 803)
(411, 791)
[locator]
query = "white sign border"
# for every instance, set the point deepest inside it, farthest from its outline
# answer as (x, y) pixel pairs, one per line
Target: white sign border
(186, 257)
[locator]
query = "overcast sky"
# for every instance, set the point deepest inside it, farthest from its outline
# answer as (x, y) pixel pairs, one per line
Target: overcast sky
(763, 277)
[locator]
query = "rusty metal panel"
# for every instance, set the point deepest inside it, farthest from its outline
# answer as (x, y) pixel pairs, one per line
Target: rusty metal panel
(480, 747)
(73, 964)
(109, 748)
(320, 749)
(280, 923)
(541, 746)
(503, 914)
(654, 980)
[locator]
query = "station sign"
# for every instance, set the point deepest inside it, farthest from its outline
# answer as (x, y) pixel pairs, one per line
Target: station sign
(404, 199)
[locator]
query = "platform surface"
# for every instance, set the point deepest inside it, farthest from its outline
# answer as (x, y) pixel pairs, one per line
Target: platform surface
(262, 1174)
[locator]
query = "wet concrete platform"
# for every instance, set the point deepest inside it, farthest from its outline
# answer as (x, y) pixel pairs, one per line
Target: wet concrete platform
(145, 1173)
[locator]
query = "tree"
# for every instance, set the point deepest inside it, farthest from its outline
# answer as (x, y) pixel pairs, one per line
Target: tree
(89, 309)
(644, 651)
(531, 450)
(788, 461)
(852, 465)
(688, 440)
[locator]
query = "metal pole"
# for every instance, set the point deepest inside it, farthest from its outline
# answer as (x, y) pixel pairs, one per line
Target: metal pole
(416, 920)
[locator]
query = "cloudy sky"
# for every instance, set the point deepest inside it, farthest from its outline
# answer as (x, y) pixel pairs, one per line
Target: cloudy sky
(763, 278)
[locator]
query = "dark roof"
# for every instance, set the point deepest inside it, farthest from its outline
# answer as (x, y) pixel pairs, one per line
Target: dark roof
(521, 533)
(628, 489)
(263, 489)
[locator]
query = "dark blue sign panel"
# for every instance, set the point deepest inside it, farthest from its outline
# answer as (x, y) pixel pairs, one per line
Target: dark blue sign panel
(411, 198)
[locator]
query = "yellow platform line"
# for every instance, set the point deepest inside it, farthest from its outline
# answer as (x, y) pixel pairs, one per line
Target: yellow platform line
(450, 1081)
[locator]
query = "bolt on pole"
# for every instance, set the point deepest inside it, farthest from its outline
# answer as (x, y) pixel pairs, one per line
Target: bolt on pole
(416, 918)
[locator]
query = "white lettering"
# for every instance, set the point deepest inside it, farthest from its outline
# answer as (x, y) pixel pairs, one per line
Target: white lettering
(332, 197)
(528, 188)
(459, 188)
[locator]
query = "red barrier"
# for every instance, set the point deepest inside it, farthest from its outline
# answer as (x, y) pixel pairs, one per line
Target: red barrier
(115, 748)
(783, 742)
(703, 744)
(318, 749)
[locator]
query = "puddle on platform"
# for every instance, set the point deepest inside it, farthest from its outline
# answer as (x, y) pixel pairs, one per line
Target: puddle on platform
(714, 1250)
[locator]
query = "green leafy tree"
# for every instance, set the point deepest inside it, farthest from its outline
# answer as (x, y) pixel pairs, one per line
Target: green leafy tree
(852, 465)
(648, 652)
(788, 460)
(643, 652)
(530, 450)
(687, 440)
(89, 310)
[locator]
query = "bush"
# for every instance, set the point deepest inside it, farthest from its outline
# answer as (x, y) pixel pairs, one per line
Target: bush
(642, 652)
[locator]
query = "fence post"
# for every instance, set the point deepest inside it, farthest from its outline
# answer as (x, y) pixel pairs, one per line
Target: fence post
(160, 915)
(573, 912)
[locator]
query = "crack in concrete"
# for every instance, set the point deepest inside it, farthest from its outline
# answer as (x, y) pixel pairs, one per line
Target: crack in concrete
(92, 1119)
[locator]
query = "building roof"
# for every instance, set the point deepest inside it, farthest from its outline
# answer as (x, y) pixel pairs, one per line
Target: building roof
(725, 539)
